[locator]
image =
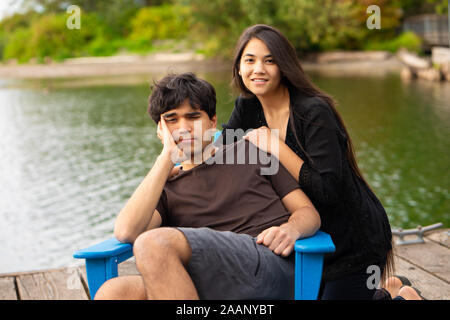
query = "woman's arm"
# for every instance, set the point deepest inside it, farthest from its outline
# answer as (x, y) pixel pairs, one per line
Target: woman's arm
(321, 180)
(266, 140)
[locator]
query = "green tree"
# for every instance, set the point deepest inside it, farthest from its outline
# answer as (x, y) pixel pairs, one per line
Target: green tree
(16, 45)
(48, 36)
(216, 24)
(321, 24)
(416, 7)
(309, 24)
(115, 15)
(160, 22)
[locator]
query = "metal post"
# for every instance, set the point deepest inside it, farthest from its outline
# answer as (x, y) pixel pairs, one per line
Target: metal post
(448, 13)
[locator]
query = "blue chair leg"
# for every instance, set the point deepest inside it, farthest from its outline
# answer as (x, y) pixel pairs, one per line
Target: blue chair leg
(308, 275)
(98, 271)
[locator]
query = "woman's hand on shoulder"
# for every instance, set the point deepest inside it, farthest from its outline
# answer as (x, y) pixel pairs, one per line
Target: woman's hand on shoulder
(264, 138)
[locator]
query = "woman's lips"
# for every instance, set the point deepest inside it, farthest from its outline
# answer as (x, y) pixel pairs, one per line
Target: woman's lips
(259, 81)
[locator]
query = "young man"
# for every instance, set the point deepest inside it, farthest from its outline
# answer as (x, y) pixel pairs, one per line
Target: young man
(217, 229)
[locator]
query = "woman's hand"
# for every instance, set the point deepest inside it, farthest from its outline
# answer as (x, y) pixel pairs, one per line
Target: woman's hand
(280, 240)
(265, 139)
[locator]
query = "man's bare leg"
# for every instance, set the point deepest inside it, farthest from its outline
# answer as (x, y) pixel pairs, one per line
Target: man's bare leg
(122, 288)
(161, 256)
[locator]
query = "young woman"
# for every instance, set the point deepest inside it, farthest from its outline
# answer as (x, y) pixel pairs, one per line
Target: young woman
(314, 146)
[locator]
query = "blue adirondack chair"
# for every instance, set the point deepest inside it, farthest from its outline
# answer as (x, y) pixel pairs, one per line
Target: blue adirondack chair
(102, 261)
(103, 258)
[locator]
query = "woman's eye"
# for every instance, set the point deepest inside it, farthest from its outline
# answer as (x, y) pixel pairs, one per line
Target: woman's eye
(269, 61)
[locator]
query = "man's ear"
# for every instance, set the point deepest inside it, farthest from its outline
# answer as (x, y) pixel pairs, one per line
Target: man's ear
(214, 121)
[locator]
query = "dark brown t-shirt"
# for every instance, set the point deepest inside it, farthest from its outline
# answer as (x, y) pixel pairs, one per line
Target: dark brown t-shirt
(229, 197)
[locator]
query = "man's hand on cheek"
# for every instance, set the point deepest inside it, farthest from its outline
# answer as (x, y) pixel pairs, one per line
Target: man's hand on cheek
(170, 148)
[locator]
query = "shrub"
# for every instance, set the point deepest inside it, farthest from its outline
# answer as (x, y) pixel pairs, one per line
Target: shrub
(48, 36)
(17, 45)
(408, 40)
(159, 22)
(309, 24)
(320, 24)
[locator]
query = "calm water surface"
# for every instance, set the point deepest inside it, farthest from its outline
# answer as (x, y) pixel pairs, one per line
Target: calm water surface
(73, 152)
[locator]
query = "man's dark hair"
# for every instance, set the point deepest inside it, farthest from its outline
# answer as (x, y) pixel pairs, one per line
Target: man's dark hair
(170, 92)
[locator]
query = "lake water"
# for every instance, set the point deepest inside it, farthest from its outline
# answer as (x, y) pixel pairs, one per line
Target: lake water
(73, 151)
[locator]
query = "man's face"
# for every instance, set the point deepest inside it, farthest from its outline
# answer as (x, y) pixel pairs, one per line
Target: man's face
(190, 128)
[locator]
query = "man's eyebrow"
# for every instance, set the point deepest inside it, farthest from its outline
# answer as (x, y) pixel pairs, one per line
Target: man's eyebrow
(193, 113)
(168, 115)
(188, 114)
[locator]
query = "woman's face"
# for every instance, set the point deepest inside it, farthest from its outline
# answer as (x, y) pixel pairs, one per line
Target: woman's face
(260, 74)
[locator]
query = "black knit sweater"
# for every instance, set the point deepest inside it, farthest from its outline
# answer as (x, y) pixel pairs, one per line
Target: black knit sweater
(350, 212)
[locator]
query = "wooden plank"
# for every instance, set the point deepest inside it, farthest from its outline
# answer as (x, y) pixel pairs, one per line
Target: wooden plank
(7, 289)
(429, 256)
(82, 273)
(60, 284)
(440, 236)
(431, 287)
(128, 267)
(83, 278)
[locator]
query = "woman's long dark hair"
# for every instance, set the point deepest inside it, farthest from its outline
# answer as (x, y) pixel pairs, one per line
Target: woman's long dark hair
(293, 76)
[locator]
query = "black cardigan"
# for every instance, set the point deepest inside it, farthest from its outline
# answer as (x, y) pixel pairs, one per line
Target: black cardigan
(350, 212)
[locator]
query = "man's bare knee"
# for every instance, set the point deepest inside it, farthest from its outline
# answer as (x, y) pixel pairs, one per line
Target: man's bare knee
(122, 288)
(161, 242)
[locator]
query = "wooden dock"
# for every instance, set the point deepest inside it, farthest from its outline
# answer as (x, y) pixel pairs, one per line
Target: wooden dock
(427, 265)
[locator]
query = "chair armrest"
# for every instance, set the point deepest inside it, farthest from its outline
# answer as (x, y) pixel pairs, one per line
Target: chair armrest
(106, 249)
(102, 261)
(309, 254)
(319, 243)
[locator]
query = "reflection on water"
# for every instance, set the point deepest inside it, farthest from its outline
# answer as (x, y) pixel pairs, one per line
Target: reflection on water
(72, 154)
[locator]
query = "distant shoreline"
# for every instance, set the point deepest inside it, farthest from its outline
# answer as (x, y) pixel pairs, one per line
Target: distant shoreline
(337, 63)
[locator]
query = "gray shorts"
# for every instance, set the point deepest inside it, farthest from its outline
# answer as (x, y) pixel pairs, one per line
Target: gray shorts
(228, 266)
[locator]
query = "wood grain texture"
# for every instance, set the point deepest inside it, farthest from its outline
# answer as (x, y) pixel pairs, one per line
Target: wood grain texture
(7, 289)
(60, 284)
